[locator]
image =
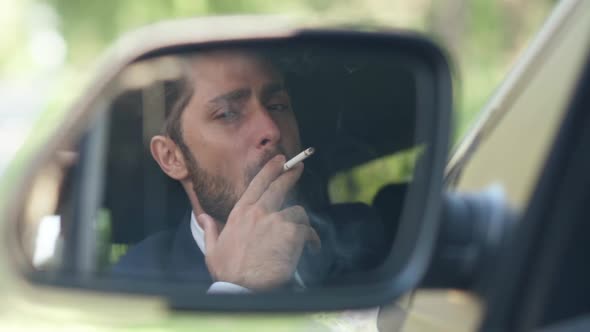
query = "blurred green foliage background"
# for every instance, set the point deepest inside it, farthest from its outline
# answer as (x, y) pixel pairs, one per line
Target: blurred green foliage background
(62, 39)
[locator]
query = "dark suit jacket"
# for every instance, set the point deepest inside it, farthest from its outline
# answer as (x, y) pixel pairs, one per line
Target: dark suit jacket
(171, 255)
(353, 240)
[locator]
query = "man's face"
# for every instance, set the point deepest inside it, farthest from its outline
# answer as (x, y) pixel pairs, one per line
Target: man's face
(239, 117)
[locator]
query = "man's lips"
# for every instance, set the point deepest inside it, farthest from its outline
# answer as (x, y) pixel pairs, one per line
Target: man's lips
(266, 157)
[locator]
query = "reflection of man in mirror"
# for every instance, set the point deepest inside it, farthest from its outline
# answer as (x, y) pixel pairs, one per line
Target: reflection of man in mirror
(225, 139)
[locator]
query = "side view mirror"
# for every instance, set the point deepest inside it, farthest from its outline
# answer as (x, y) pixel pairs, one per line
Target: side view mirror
(160, 180)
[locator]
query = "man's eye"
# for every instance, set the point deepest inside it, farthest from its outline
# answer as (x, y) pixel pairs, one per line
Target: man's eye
(278, 107)
(227, 115)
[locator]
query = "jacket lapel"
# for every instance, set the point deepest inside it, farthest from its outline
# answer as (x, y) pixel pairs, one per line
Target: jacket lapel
(187, 262)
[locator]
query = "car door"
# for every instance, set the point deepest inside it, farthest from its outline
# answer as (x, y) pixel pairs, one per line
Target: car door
(542, 279)
(509, 146)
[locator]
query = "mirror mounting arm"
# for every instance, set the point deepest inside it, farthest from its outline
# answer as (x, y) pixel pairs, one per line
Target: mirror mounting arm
(474, 228)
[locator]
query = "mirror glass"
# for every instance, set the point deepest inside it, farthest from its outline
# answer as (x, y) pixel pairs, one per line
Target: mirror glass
(177, 172)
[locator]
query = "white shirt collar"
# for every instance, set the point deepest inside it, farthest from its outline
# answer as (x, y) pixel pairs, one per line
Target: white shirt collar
(198, 233)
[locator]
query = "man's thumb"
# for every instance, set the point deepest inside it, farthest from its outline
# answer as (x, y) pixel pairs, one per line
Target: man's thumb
(211, 232)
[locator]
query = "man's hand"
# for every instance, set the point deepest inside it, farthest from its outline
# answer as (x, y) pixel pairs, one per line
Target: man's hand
(260, 245)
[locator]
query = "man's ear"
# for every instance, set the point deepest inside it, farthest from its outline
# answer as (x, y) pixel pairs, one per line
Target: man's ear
(168, 155)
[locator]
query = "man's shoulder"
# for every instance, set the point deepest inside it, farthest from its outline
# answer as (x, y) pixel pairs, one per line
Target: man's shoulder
(149, 257)
(172, 254)
(353, 241)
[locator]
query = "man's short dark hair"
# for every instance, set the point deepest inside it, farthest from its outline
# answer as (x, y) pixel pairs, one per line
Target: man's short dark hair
(177, 96)
(178, 93)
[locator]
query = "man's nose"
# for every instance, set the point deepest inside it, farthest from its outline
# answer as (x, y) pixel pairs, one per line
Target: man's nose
(266, 128)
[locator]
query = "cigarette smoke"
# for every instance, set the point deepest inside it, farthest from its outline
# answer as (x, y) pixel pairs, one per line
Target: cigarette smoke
(353, 240)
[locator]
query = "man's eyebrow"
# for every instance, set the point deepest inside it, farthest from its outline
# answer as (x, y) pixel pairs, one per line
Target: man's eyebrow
(230, 96)
(271, 89)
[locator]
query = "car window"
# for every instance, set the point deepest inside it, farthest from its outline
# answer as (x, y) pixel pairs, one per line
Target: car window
(362, 183)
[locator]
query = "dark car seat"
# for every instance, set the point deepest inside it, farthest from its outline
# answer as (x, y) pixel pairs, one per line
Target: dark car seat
(388, 204)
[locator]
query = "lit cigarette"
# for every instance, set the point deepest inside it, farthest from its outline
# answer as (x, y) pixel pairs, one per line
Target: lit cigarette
(298, 158)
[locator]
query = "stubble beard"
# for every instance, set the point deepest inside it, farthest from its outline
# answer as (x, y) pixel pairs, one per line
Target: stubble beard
(216, 194)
